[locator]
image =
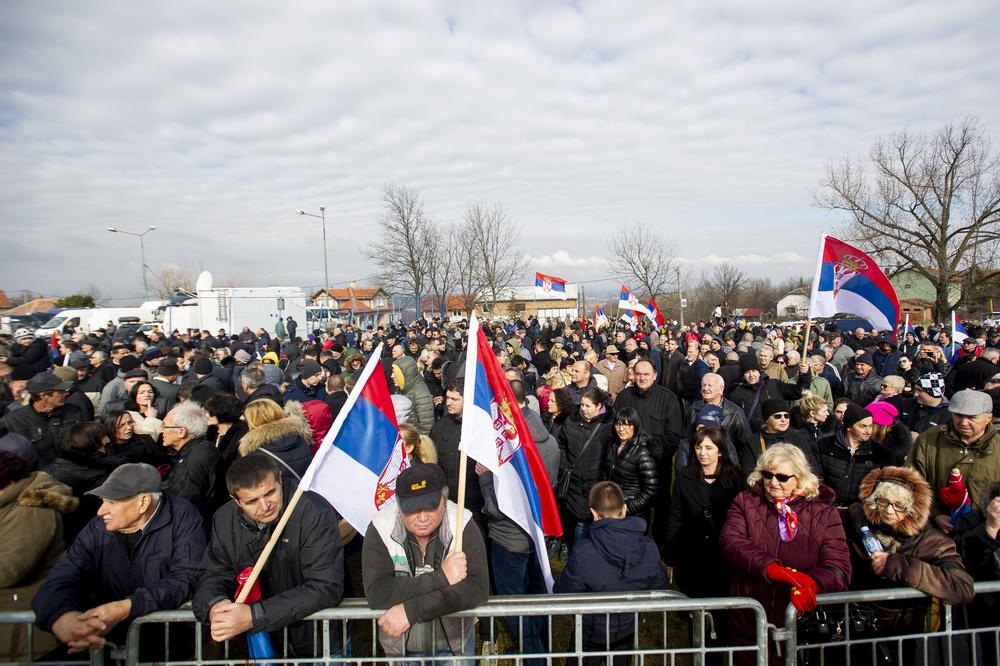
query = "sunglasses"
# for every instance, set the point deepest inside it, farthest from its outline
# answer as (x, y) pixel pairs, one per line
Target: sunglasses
(782, 478)
(782, 415)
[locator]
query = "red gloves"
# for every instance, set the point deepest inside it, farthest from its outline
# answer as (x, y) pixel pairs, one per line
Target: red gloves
(804, 588)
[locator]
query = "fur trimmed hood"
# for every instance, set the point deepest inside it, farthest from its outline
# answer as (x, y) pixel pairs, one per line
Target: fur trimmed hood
(293, 425)
(42, 491)
(923, 497)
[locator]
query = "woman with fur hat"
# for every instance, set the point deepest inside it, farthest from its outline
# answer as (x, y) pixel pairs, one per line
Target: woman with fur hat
(895, 504)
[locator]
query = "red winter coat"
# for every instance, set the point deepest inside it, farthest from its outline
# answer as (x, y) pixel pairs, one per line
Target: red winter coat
(750, 541)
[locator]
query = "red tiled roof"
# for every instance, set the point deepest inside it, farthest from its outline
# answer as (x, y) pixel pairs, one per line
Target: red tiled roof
(36, 305)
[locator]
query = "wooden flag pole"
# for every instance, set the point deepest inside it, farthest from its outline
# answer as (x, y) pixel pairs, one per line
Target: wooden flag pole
(266, 553)
(459, 515)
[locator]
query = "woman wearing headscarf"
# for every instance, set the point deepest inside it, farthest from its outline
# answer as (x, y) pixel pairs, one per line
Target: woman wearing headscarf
(785, 542)
(906, 550)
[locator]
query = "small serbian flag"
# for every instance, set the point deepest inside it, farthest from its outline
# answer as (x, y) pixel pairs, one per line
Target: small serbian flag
(628, 301)
(548, 286)
(908, 328)
(655, 315)
(958, 332)
(848, 280)
(600, 319)
(629, 318)
(495, 434)
(356, 466)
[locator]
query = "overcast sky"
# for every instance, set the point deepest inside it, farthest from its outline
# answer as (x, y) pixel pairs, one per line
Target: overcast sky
(708, 122)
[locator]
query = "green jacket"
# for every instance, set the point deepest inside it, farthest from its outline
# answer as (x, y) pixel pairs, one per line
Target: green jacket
(939, 449)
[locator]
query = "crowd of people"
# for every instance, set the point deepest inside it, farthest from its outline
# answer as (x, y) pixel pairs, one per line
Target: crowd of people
(139, 474)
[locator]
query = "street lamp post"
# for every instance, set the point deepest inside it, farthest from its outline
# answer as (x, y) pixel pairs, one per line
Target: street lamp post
(326, 269)
(142, 254)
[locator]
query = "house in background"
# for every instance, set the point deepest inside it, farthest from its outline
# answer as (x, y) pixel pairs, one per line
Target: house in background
(794, 304)
(362, 306)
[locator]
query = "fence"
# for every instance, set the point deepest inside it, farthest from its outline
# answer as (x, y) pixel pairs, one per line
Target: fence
(851, 628)
(670, 629)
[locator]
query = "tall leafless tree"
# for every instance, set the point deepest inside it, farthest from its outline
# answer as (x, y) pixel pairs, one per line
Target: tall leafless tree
(930, 203)
(443, 266)
(496, 257)
(644, 259)
(403, 249)
(726, 281)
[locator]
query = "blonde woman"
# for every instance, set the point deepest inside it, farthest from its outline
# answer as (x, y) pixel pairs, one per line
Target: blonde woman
(420, 448)
(282, 434)
(814, 416)
(784, 540)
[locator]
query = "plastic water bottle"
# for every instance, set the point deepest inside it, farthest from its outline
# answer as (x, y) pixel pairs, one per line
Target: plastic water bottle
(872, 545)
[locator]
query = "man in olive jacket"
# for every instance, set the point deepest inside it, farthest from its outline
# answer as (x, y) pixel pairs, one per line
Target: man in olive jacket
(304, 574)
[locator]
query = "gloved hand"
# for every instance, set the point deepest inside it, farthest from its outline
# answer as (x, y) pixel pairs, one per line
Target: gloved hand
(793, 577)
(804, 599)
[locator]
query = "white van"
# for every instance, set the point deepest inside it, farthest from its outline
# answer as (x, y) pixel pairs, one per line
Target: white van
(87, 320)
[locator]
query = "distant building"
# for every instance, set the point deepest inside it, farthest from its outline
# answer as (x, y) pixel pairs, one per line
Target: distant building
(369, 306)
(521, 302)
(794, 304)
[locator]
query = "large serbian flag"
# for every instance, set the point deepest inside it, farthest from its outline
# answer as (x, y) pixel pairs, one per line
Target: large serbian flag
(495, 434)
(629, 301)
(356, 466)
(548, 286)
(848, 280)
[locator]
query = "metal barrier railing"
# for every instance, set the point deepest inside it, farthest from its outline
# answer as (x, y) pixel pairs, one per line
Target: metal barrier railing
(662, 633)
(852, 634)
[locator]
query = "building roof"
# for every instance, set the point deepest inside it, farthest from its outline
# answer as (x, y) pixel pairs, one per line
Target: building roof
(433, 303)
(344, 294)
(36, 305)
(4, 301)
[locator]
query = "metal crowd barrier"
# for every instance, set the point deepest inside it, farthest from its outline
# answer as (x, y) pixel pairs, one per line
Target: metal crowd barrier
(966, 635)
(663, 635)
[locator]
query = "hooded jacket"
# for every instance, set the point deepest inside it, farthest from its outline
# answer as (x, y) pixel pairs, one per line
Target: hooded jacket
(615, 556)
(31, 523)
(412, 385)
(920, 556)
(750, 541)
(289, 439)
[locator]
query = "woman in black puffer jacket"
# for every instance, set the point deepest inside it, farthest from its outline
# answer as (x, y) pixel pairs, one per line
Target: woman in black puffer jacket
(630, 464)
(583, 445)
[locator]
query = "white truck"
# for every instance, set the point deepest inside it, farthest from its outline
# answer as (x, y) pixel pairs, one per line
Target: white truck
(232, 308)
(87, 320)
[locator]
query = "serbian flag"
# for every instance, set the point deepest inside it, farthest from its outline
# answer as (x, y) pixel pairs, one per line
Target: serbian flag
(548, 286)
(848, 280)
(356, 466)
(907, 328)
(628, 301)
(495, 434)
(630, 319)
(600, 319)
(654, 315)
(958, 332)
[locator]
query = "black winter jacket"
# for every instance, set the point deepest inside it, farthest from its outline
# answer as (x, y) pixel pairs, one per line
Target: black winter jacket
(750, 397)
(35, 356)
(160, 574)
(844, 472)
(445, 435)
(44, 431)
(661, 416)
(582, 462)
(304, 574)
(634, 469)
(615, 556)
(924, 417)
(192, 475)
(289, 439)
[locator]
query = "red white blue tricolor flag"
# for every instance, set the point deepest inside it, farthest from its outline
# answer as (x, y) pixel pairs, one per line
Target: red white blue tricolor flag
(655, 316)
(848, 280)
(495, 434)
(629, 318)
(356, 466)
(548, 286)
(958, 332)
(600, 319)
(628, 301)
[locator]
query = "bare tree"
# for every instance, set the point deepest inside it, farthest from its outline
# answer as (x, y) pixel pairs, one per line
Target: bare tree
(469, 283)
(644, 258)
(403, 250)
(172, 277)
(928, 203)
(726, 281)
(443, 264)
(496, 258)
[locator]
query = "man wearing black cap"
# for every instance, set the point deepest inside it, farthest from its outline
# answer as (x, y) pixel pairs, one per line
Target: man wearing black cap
(46, 416)
(140, 554)
(304, 574)
(309, 385)
(114, 391)
(410, 568)
(203, 373)
(165, 380)
(863, 384)
(755, 388)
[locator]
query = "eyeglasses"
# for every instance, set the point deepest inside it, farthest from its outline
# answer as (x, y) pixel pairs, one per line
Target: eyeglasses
(885, 504)
(165, 427)
(624, 425)
(782, 478)
(783, 416)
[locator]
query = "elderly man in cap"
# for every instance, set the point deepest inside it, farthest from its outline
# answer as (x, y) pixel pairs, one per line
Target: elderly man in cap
(411, 568)
(614, 369)
(140, 554)
(969, 443)
(46, 416)
(304, 573)
(863, 385)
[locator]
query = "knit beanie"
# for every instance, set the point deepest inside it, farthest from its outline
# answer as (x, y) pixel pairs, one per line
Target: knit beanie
(773, 406)
(853, 414)
(882, 413)
(749, 362)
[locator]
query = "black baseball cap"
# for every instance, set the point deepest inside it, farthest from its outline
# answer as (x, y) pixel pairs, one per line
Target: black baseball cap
(419, 487)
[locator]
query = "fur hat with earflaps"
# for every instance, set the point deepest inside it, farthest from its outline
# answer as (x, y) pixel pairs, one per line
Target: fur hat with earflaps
(901, 485)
